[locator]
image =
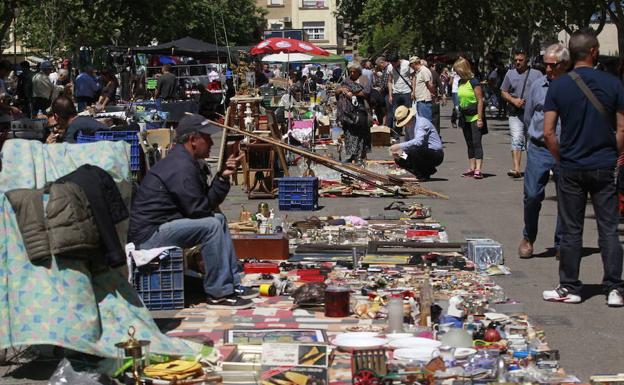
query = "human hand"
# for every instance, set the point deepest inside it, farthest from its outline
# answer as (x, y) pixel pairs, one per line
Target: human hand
(395, 149)
(480, 123)
(15, 111)
(52, 138)
(231, 165)
(390, 98)
(519, 102)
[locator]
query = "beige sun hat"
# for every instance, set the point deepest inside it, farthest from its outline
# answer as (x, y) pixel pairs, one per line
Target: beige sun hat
(402, 115)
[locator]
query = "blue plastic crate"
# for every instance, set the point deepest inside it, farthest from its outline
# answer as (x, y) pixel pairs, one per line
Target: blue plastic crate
(128, 136)
(160, 284)
(298, 193)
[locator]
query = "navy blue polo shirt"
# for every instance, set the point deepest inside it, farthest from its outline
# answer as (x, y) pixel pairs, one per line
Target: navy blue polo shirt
(587, 139)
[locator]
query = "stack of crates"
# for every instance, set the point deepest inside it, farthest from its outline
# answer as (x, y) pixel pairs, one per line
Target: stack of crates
(160, 283)
(298, 193)
(129, 136)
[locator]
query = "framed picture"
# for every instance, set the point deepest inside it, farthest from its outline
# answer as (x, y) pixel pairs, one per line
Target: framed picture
(260, 336)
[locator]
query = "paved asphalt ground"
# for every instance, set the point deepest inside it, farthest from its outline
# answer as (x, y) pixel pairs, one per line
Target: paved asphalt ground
(589, 335)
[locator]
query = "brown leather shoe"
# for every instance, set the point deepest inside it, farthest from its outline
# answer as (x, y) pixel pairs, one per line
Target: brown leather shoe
(525, 250)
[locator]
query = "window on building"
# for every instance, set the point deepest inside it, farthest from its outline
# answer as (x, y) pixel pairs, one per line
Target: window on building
(314, 29)
(312, 3)
(274, 26)
(275, 2)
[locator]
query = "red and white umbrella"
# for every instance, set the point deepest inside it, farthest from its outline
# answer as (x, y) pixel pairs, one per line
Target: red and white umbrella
(280, 44)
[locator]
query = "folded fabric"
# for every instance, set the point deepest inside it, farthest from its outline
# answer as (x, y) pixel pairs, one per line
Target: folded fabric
(143, 257)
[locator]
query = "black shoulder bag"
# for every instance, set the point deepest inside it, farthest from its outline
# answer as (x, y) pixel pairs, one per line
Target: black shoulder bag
(513, 110)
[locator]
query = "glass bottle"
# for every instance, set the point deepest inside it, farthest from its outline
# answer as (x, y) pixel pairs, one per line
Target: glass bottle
(426, 300)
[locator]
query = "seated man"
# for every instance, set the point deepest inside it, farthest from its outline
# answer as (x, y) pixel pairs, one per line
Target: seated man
(174, 206)
(421, 152)
(68, 123)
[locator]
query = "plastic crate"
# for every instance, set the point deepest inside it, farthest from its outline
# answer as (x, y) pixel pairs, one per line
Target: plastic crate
(160, 284)
(129, 136)
(298, 193)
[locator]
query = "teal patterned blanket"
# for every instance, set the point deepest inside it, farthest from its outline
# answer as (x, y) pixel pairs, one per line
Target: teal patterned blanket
(67, 302)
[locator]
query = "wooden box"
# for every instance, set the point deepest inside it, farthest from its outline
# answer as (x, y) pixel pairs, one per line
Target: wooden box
(271, 246)
(380, 136)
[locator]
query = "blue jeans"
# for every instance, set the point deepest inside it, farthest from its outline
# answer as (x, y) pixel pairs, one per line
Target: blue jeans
(539, 164)
(572, 189)
(424, 109)
(217, 249)
(399, 100)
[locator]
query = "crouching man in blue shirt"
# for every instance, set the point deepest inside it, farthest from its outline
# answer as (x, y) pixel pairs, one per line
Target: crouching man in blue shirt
(421, 152)
(174, 206)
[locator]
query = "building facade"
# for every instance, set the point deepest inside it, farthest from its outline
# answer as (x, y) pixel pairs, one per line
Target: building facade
(315, 17)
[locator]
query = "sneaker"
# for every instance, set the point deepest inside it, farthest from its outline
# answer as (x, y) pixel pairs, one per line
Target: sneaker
(230, 302)
(477, 174)
(560, 294)
(615, 299)
(468, 173)
(246, 292)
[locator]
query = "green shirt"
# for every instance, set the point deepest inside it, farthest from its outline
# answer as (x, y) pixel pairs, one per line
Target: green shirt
(467, 96)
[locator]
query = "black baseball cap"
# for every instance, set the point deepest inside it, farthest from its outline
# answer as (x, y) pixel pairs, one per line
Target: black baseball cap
(196, 123)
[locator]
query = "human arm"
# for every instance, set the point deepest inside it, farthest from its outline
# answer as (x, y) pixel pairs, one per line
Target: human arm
(619, 133)
(550, 135)
(389, 86)
(158, 87)
(480, 105)
(509, 98)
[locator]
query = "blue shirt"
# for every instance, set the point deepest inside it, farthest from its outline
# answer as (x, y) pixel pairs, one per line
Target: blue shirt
(85, 85)
(587, 139)
(422, 133)
(534, 109)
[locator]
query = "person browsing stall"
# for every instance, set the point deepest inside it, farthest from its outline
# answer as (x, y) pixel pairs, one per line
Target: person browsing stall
(167, 84)
(175, 206)
(422, 151)
(67, 123)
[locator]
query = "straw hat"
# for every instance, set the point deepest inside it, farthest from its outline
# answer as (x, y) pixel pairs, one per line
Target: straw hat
(402, 115)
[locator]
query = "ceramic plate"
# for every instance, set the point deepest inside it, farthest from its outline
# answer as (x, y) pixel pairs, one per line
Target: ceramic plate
(414, 342)
(424, 354)
(356, 335)
(461, 353)
(398, 336)
(350, 343)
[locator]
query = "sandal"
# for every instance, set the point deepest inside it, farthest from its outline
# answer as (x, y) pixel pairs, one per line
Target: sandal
(514, 174)
(468, 173)
(477, 174)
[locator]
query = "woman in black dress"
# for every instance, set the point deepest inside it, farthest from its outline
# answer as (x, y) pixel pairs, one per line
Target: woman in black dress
(353, 116)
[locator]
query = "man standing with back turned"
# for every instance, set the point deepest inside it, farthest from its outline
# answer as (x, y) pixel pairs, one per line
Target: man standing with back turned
(590, 104)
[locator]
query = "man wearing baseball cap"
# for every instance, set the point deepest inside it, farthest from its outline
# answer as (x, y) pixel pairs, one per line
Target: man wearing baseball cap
(422, 151)
(174, 206)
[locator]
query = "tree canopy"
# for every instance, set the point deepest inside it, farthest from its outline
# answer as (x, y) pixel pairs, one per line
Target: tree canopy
(479, 27)
(55, 26)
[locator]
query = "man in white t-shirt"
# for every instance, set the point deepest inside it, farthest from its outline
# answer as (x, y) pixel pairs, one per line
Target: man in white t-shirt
(423, 88)
(399, 87)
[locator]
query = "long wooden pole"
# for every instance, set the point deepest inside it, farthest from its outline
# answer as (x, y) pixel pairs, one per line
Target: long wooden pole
(338, 166)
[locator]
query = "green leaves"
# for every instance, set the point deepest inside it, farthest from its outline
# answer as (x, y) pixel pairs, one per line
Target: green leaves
(480, 27)
(56, 26)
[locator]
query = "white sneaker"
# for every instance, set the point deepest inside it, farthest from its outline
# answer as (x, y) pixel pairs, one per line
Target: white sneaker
(615, 299)
(560, 294)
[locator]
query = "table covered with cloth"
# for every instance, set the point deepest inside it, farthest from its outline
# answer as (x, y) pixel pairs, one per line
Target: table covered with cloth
(65, 301)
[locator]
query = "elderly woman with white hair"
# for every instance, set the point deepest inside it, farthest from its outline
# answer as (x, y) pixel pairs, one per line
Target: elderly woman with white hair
(353, 115)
